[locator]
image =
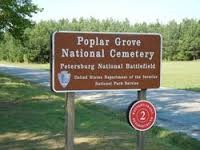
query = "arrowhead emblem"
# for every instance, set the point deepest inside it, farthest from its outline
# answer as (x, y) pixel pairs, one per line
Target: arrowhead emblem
(64, 78)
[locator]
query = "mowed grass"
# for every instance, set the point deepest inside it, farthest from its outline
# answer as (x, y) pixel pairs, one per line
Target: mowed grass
(176, 74)
(181, 75)
(28, 65)
(32, 118)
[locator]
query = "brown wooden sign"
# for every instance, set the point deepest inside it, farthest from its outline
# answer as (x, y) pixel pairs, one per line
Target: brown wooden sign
(105, 61)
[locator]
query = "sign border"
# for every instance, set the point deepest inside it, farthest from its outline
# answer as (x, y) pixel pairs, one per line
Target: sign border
(52, 58)
(129, 115)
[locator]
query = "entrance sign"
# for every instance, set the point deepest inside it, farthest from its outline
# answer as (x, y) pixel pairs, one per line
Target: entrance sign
(105, 61)
(142, 115)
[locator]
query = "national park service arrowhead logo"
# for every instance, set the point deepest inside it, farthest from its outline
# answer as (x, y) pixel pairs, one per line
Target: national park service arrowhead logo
(64, 78)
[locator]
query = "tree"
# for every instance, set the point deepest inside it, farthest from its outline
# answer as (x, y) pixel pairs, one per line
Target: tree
(15, 16)
(37, 43)
(189, 47)
(11, 49)
(181, 41)
(171, 38)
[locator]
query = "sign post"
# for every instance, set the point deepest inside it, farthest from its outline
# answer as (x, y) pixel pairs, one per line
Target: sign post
(141, 116)
(140, 134)
(69, 120)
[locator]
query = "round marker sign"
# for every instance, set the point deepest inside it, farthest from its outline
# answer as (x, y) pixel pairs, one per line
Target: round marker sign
(142, 115)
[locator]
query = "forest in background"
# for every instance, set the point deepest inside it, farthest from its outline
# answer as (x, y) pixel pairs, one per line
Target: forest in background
(181, 41)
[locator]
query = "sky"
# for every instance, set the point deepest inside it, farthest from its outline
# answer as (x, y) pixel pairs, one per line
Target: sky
(136, 11)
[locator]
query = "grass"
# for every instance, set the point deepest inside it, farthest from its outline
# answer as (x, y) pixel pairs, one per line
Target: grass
(28, 65)
(180, 75)
(32, 117)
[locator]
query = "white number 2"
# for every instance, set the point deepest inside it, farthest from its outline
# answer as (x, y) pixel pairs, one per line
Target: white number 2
(142, 115)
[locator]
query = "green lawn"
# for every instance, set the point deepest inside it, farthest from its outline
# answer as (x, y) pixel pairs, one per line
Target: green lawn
(28, 65)
(32, 118)
(180, 75)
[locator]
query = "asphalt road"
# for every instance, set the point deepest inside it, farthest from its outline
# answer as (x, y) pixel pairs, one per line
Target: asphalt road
(177, 110)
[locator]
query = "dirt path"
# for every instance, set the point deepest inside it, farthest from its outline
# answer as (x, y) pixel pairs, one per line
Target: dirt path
(177, 110)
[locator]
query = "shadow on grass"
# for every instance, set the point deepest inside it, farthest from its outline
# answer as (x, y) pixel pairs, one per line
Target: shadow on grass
(195, 89)
(31, 141)
(40, 125)
(180, 140)
(32, 118)
(14, 89)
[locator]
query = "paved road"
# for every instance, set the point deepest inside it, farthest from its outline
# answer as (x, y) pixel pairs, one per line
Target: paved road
(177, 110)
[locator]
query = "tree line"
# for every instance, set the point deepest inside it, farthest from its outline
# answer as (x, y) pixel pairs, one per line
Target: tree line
(181, 41)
